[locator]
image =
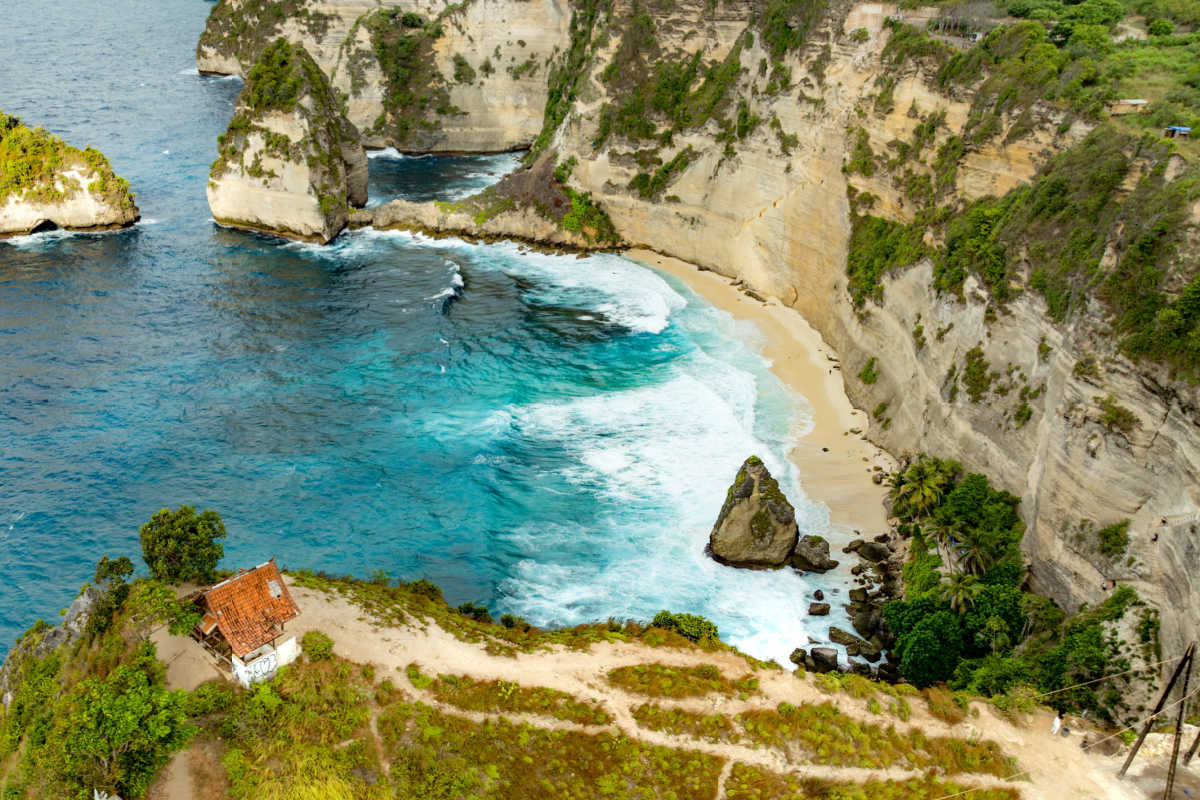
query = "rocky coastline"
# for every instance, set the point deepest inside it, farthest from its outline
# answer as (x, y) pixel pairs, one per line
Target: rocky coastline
(49, 184)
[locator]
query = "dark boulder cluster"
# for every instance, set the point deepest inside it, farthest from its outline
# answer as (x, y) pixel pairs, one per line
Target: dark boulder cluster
(757, 527)
(878, 577)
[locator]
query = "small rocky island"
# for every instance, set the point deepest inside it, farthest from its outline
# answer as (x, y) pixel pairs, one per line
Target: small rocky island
(757, 526)
(45, 183)
(290, 163)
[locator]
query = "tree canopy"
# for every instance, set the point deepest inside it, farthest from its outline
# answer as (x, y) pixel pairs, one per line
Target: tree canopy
(181, 545)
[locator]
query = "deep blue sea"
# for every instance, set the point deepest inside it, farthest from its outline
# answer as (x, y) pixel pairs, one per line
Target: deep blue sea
(552, 436)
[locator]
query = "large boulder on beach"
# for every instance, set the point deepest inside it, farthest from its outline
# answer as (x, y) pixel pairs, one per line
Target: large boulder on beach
(854, 645)
(812, 554)
(757, 525)
(290, 163)
(824, 659)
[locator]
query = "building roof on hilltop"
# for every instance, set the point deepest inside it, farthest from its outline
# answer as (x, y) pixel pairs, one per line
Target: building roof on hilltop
(249, 608)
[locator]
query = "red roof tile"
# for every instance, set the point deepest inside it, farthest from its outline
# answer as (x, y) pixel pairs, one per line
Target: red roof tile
(251, 607)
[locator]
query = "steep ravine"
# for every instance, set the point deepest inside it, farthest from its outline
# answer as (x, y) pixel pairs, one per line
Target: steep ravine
(763, 195)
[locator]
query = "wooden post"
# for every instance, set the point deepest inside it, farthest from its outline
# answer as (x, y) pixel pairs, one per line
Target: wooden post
(1178, 730)
(1162, 701)
(1187, 757)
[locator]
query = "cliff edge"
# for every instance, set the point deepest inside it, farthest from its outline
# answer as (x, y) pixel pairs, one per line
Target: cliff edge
(290, 162)
(46, 182)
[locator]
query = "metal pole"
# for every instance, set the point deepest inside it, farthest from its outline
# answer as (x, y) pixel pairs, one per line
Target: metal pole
(1178, 732)
(1162, 701)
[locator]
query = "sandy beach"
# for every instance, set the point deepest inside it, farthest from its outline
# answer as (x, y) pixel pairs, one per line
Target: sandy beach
(835, 465)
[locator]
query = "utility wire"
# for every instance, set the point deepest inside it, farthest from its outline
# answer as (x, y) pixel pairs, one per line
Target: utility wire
(1109, 677)
(1101, 741)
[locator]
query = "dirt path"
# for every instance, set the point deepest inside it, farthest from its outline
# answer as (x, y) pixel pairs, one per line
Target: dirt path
(1052, 768)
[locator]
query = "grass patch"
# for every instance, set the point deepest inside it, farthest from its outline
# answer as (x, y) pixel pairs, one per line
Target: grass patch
(825, 735)
(437, 755)
(497, 696)
(710, 727)
(659, 680)
(748, 782)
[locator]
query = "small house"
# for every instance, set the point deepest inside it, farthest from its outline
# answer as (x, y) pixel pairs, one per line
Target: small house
(1177, 132)
(1128, 106)
(243, 620)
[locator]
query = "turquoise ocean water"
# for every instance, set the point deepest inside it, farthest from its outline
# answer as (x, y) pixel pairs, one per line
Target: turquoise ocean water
(549, 435)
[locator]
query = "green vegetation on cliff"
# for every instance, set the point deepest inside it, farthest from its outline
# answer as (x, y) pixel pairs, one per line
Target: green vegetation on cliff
(33, 163)
(242, 29)
(969, 621)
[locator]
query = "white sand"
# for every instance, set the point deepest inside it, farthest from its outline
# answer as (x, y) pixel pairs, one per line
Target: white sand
(835, 466)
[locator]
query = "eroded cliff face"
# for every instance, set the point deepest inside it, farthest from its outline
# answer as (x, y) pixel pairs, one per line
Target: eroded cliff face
(428, 77)
(773, 207)
(751, 138)
(290, 162)
(48, 182)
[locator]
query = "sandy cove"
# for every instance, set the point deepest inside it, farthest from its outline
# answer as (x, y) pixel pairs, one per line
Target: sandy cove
(835, 465)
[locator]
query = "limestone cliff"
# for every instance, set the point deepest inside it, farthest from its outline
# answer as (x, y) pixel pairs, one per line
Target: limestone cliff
(290, 162)
(46, 182)
(840, 160)
(776, 156)
(439, 77)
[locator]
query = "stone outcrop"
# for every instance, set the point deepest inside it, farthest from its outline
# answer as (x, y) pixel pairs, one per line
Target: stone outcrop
(59, 186)
(818, 609)
(290, 163)
(40, 640)
(812, 554)
(442, 77)
(757, 525)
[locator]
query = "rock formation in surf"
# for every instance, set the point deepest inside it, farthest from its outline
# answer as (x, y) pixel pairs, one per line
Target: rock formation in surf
(44, 182)
(757, 524)
(962, 236)
(290, 162)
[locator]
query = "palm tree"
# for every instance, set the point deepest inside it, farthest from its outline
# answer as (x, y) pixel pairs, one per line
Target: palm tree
(960, 591)
(920, 487)
(975, 556)
(945, 533)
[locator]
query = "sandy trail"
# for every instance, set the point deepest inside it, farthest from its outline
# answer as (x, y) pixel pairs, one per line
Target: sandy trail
(1051, 767)
(1056, 767)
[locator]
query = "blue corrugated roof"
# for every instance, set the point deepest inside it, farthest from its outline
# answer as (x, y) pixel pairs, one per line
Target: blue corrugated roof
(1179, 128)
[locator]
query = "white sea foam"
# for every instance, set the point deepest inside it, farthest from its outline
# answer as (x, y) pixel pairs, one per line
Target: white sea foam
(653, 453)
(189, 71)
(391, 152)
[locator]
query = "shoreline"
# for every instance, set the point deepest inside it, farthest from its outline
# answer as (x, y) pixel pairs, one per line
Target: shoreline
(834, 465)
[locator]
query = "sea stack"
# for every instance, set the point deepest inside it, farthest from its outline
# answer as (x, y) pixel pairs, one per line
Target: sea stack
(757, 525)
(290, 162)
(46, 183)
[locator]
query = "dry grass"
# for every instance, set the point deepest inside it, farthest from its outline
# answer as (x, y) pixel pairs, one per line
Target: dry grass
(824, 735)
(467, 693)
(435, 755)
(659, 680)
(752, 783)
(709, 727)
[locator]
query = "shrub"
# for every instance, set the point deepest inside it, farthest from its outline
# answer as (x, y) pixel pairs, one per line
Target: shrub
(463, 72)
(1114, 539)
(1115, 416)
(475, 611)
(867, 374)
(690, 626)
(317, 645)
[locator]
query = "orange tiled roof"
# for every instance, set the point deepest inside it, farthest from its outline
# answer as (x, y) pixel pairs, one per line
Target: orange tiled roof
(250, 608)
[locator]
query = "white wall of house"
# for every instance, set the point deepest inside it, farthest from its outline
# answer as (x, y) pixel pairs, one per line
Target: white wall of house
(263, 663)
